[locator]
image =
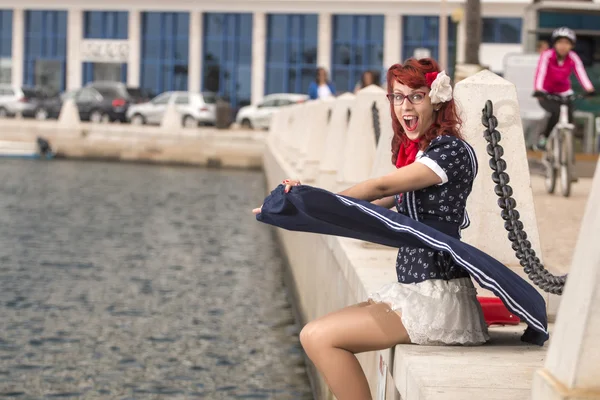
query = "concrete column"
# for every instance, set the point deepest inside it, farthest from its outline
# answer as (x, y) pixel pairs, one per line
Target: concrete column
(461, 38)
(135, 49)
(195, 52)
(314, 138)
(259, 38)
(443, 35)
(18, 46)
(572, 370)
(359, 148)
(74, 36)
(392, 40)
(324, 40)
(484, 213)
(336, 135)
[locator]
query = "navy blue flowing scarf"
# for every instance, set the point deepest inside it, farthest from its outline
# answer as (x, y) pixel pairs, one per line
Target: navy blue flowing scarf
(310, 209)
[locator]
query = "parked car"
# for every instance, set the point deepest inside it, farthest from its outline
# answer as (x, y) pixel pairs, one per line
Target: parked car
(195, 109)
(259, 115)
(44, 105)
(20, 99)
(96, 102)
(92, 106)
(113, 103)
(47, 106)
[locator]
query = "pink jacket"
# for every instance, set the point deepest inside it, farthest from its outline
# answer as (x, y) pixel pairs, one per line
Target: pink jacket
(553, 77)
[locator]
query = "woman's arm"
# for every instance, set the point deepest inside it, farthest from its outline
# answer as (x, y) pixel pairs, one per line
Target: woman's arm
(406, 179)
(380, 191)
(540, 71)
(387, 202)
(312, 91)
(582, 76)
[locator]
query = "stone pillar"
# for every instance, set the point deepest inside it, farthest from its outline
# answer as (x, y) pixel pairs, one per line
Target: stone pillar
(383, 156)
(135, 33)
(69, 115)
(314, 138)
(336, 135)
(324, 42)
(359, 146)
(171, 121)
(572, 371)
(285, 135)
(195, 53)
(392, 40)
(471, 95)
(259, 38)
(18, 46)
(276, 127)
(74, 36)
(297, 128)
(461, 35)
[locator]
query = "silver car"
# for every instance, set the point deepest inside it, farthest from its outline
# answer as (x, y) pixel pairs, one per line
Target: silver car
(259, 115)
(195, 109)
(15, 99)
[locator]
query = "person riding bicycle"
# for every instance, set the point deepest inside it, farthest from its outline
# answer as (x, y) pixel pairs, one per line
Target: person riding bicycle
(552, 76)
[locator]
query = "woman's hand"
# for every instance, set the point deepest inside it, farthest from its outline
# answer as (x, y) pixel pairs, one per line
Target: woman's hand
(288, 185)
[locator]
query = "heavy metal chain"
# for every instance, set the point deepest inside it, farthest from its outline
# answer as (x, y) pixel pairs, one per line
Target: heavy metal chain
(522, 247)
(376, 123)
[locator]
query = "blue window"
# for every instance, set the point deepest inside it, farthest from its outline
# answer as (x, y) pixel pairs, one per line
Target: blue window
(165, 51)
(291, 52)
(501, 30)
(6, 46)
(45, 49)
(6, 33)
(105, 25)
(227, 55)
(357, 47)
(574, 20)
(422, 31)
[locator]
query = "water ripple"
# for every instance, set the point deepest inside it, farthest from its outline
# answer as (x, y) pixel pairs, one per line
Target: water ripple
(141, 282)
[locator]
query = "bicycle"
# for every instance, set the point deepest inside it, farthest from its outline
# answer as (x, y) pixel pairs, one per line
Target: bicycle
(559, 154)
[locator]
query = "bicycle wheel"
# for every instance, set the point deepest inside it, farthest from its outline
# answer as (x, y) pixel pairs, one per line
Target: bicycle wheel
(566, 164)
(549, 161)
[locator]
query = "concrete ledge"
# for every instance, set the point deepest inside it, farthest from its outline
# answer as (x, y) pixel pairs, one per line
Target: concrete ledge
(501, 370)
(120, 142)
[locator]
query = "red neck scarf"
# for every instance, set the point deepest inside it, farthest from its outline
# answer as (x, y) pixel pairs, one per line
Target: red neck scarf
(407, 153)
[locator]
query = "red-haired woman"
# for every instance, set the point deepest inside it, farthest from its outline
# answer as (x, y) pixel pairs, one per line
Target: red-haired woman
(433, 301)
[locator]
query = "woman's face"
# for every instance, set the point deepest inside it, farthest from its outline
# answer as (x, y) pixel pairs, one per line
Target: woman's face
(563, 46)
(368, 78)
(414, 118)
(322, 75)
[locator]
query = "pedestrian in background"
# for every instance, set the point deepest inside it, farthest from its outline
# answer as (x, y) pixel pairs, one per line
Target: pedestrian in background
(321, 88)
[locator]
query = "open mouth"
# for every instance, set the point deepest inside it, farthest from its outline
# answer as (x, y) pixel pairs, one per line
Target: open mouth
(411, 122)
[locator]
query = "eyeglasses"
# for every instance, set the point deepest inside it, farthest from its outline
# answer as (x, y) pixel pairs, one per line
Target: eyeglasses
(398, 98)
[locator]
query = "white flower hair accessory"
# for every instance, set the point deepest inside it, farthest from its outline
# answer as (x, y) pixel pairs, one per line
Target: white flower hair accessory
(441, 90)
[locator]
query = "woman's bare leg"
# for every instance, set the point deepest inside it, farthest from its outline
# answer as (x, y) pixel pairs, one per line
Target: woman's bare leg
(332, 340)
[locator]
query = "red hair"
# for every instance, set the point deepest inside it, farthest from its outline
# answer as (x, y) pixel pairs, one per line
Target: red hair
(445, 121)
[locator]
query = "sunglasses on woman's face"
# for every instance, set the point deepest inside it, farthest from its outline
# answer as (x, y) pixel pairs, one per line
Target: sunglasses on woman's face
(398, 98)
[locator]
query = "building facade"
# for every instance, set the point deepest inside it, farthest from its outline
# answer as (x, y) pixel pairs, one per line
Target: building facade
(241, 49)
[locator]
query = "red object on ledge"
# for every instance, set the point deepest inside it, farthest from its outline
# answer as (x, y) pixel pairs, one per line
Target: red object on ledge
(496, 313)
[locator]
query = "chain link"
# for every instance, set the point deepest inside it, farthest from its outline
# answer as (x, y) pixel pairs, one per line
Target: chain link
(376, 123)
(522, 247)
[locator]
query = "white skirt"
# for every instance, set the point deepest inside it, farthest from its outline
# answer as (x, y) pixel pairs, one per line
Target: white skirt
(437, 312)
